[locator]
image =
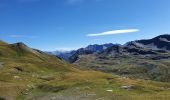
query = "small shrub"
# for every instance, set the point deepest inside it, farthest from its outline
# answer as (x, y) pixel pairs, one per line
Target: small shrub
(1, 98)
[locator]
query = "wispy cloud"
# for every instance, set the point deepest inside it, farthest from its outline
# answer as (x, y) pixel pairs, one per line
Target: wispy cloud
(22, 36)
(114, 32)
(16, 36)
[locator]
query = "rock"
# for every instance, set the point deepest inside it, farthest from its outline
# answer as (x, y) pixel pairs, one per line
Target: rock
(109, 90)
(16, 77)
(127, 87)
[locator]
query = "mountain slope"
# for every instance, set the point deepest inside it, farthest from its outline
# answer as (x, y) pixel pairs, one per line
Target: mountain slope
(21, 66)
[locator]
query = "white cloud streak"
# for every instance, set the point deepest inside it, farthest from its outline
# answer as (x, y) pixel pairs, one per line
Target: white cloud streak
(16, 36)
(23, 36)
(113, 32)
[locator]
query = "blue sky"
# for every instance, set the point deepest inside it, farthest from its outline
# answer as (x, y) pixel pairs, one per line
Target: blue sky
(69, 24)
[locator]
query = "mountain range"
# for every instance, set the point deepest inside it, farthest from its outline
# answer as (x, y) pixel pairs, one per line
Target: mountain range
(66, 55)
(148, 46)
(145, 59)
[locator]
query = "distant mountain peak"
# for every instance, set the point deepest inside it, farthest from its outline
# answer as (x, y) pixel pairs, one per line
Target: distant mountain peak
(20, 44)
(22, 48)
(161, 42)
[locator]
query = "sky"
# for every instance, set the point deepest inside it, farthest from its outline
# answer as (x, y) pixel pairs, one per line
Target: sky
(70, 24)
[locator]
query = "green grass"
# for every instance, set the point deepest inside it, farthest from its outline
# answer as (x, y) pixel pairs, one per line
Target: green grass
(131, 66)
(94, 85)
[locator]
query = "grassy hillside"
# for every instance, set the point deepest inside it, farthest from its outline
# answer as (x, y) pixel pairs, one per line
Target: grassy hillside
(28, 74)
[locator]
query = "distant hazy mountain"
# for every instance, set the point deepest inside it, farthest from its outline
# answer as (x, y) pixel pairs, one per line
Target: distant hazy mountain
(96, 47)
(63, 54)
(69, 55)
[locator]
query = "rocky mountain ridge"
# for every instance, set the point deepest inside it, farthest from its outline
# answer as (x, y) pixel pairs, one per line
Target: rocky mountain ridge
(159, 44)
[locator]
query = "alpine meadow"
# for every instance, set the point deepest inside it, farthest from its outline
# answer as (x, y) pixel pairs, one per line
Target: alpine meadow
(84, 50)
